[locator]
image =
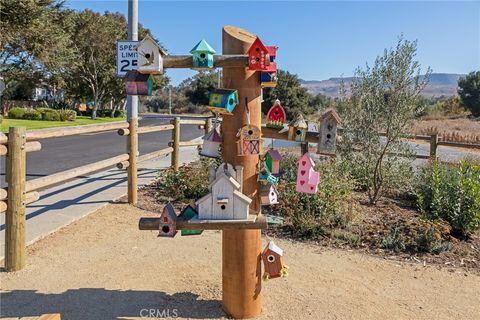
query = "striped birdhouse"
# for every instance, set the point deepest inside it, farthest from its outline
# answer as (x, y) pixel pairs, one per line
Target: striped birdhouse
(249, 140)
(138, 84)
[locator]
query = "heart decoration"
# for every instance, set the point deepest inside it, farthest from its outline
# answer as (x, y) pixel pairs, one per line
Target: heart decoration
(302, 182)
(311, 188)
(302, 172)
(304, 163)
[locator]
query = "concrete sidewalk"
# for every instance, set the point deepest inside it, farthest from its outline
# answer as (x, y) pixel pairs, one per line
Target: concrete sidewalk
(59, 206)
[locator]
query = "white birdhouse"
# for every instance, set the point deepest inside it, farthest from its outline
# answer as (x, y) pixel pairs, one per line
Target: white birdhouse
(211, 143)
(150, 56)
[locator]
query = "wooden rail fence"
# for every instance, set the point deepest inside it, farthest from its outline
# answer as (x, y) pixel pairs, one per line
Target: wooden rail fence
(20, 192)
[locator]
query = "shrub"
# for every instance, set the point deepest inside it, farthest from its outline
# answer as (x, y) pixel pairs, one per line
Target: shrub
(452, 193)
(314, 215)
(49, 114)
(67, 114)
(1, 119)
(119, 114)
(16, 113)
(32, 115)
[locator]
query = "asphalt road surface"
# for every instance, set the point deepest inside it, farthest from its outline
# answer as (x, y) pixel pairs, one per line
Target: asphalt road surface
(59, 154)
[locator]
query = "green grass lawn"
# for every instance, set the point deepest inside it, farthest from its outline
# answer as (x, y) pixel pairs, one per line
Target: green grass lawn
(40, 124)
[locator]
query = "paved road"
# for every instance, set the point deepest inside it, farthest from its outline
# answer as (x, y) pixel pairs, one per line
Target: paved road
(65, 153)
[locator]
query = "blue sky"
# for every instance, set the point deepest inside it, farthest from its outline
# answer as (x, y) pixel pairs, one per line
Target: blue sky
(318, 39)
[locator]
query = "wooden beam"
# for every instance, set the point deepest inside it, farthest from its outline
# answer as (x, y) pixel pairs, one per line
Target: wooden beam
(254, 222)
(29, 198)
(29, 147)
(50, 316)
(70, 131)
(3, 194)
(220, 61)
(15, 217)
(3, 138)
(165, 127)
(63, 176)
(192, 121)
(311, 136)
(146, 157)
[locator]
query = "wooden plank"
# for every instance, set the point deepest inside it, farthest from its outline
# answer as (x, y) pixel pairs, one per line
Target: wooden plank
(50, 316)
(190, 143)
(3, 194)
(3, 150)
(3, 138)
(63, 176)
(146, 157)
(29, 198)
(29, 147)
(220, 61)
(254, 222)
(70, 131)
(459, 144)
(311, 136)
(3, 206)
(15, 216)
(191, 121)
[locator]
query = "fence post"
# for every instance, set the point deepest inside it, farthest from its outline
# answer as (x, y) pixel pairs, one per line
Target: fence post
(433, 146)
(208, 125)
(303, 148)
(132, 160)
(176, 143)
(15, 215)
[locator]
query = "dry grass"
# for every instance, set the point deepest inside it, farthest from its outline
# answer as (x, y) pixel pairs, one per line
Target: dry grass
(456, 130)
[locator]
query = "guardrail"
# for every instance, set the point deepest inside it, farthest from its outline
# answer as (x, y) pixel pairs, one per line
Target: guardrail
(20, 192)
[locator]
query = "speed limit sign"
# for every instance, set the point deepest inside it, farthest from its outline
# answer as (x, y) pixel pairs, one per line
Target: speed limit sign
(127, 56)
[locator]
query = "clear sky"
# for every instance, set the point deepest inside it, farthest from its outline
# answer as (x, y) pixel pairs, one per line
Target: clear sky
(318, 39)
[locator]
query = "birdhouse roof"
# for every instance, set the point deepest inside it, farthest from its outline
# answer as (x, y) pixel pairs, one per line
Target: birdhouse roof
(272, 51)
(257, 43)
(274, 154)
(202, 46)
(273, 247)
(134, 75)
(223, 91)
(228, 178)
(188, 212)
(265, 189)
(242, 197)
(306, 157)
(213, 136)
(169, 211)
(148, 38)
(330, 113)
(299, 122)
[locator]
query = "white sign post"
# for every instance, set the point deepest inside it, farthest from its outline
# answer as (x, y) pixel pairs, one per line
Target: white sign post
(126, 57)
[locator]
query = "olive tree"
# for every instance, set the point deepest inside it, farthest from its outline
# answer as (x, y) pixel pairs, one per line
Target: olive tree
(382, 103)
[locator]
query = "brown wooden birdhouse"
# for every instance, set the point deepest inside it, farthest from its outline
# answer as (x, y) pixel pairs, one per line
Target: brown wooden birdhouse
(297, 129)
(168, 222)
(249, 140)
(138, 84)
(272, 262)
(328, 132)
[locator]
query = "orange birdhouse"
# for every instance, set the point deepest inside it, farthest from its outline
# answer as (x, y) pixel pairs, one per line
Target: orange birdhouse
(272, 262)
(168, 222)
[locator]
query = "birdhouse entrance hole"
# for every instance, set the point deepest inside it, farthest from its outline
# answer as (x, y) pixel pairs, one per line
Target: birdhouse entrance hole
(257, 49)
(222, 207)
(250, 132)
(298, 132)
(271, 258)
(165, 229)
(202, 55)
(329, 136)
(230, 102)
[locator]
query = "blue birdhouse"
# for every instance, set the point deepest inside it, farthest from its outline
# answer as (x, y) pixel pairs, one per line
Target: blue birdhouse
(223, 101)
(202, 56)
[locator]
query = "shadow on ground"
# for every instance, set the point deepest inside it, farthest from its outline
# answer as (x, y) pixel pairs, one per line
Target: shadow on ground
(100, 303)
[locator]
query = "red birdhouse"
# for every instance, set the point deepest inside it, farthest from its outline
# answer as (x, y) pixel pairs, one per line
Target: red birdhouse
(276, 116)
(272, 262)
(258, 56)
(168, 222)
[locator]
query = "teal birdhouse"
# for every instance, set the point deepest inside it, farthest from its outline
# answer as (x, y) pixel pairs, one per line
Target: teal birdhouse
(223, 101)
(202, 56)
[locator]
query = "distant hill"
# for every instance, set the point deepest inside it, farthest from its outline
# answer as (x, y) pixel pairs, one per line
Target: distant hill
(440, 84)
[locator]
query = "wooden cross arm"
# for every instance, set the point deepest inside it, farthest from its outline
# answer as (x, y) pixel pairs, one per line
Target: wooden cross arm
(220, 61)
(254, 222)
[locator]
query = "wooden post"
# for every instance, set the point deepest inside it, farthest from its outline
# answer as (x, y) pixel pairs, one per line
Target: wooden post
(176, 143)
(303, 148)
(208, 125)
(133, 155)
(15, 216)
(241, 249)
(433, 146)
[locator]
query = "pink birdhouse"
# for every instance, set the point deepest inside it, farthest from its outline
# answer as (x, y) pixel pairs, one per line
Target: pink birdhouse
(307, 177)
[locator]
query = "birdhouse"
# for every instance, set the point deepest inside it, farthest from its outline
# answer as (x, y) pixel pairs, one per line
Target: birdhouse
(272, 161)
(187, 214)
(268, 194)
(211, 143)
(328, 132)
(249, 140)
(307, 177)
(268, 79)
(150, 56)
(223, 101)
(272, 262)
(138, 84)
(265, 177)
(202, 56)
(168, 222)
(225, 200)
(297, 129)
(276, 116)
(258, 56)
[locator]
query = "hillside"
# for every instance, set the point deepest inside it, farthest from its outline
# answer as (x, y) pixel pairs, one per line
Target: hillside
(440, 84)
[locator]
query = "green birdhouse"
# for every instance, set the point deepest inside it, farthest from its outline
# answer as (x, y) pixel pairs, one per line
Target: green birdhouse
(202, 56)
(187, 214)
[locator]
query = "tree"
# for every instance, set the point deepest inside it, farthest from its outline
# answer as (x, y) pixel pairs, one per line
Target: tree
(294, 98)
(384, 99)
(469, 91)
(199, 86)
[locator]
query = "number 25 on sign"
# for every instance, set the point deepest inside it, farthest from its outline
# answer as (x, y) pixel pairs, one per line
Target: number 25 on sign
(127, 56)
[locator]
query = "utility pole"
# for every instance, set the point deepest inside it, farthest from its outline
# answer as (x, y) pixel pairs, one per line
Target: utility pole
(170, 99)
(132, 111)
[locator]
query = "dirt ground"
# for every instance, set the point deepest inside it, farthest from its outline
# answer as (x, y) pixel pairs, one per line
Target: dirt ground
(103, 267)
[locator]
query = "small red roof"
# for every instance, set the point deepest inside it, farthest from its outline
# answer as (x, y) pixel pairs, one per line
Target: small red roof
(330, 113)
(257, 43)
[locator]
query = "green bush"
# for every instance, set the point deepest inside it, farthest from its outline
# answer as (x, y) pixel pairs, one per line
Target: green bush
(16, 113)
(32, 115)
(119, 114)
(49, 114)
(67, 114)
(314, 215)
(452, 193)
(1, 119)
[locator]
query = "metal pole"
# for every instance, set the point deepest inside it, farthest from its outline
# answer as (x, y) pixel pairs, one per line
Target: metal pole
(132, 111)
(170, 99)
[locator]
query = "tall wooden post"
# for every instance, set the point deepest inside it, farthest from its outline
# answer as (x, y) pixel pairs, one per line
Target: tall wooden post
(433, 146)
(176, 143)
(208, 125)
(15, 216)
(241, 268)
(132, 146)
